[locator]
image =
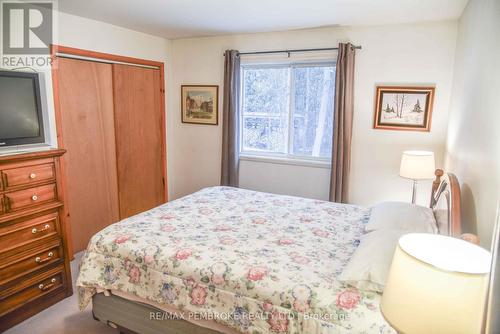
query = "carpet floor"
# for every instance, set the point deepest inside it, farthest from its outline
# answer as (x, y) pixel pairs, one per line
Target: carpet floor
(63, 317)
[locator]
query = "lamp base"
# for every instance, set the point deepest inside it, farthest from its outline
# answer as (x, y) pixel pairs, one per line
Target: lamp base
(414, 193)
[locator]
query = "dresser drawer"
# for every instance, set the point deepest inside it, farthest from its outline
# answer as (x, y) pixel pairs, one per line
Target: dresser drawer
(27, 175)
(28, 263)
(21, 199)
(32, 230)
(31, 289)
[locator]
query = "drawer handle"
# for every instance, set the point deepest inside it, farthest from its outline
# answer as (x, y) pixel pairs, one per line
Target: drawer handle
(6, 204)
(44, 287)
(34, 197)
(45, 228)
(38, 259)
(32, 176)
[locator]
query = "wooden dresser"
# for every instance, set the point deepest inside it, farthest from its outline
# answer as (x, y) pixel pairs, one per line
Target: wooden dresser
(34, 266)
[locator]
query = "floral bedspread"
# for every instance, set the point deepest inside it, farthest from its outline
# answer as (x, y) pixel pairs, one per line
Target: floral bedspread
(256, 262)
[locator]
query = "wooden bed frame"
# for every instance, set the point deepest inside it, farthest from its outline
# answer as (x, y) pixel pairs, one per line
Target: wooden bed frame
(446, 204)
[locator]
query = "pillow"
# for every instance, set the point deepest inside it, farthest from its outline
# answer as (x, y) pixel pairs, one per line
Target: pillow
(401, 216)
(369, 266)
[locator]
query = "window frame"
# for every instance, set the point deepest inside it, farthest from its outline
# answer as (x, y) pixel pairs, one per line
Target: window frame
(276, 157)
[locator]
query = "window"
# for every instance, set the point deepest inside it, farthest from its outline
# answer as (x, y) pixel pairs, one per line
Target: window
(287, 110)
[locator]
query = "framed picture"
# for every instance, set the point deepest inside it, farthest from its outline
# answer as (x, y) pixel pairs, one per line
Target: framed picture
(200, 104)
(403, 108)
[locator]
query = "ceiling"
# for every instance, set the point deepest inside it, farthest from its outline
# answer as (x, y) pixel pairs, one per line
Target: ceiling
(192, 18)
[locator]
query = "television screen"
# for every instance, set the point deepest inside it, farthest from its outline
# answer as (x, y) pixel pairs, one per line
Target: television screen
(20, 109)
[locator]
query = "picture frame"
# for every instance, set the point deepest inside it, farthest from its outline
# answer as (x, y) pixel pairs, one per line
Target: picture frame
(200, 104)
(403, 108)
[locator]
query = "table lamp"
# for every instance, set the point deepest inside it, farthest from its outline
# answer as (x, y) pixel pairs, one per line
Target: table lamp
(436, 284)
(417, 165)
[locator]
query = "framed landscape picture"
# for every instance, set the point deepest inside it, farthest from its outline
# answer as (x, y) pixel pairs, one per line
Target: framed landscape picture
(403, 108)
(200, 104)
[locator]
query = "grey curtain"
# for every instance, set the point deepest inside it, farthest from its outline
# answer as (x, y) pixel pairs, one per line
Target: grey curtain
(342, 124)
(230, 119)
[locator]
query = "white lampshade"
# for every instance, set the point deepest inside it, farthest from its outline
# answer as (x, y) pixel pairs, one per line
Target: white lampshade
(436, 284)
(417, 165)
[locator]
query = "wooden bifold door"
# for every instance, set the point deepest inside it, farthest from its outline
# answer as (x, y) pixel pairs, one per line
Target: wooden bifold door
(138, 127)
(111, 122)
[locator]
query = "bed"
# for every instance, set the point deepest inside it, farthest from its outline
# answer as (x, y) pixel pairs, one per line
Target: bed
(237, 261)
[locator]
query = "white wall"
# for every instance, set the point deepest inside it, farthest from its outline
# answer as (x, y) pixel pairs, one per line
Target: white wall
(473, 146)
(89, 34)
(395, 54)
(304, 181)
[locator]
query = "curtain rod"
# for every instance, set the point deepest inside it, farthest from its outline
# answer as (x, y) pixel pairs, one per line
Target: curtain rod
(291, 51)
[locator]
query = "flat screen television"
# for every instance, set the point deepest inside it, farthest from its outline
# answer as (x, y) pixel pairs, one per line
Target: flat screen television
(21, 118)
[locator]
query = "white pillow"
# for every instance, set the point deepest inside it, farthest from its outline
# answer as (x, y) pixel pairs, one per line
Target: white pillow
(369, 265)
(401, 216)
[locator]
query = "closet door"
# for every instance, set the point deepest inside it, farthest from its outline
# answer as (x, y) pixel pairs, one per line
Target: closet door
(87, 126)
(139, 138)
